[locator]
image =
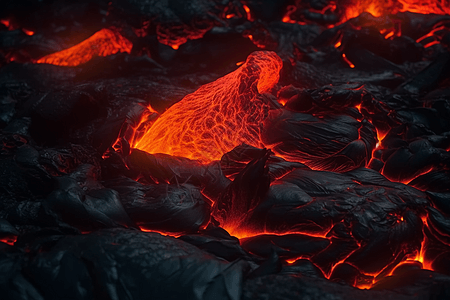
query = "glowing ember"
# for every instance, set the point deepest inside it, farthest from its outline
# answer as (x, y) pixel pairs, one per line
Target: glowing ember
(28, 32)
(11, 25)
(301, 6)
(9, 241)
(350, 64)
(160, 232)
(135, 131)
(434, 37)
(218, 116)
(5, 22)
(103, 43)
(390, 34)
(431, 33)
(287, 17)
(249, 14)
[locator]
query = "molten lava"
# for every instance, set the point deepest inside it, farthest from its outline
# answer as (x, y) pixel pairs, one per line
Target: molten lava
(103, 43)
(218, 116)
(28, 32)
(9, 240)
(347, 9)
(379, 8)
(7, 24)
(350, 64)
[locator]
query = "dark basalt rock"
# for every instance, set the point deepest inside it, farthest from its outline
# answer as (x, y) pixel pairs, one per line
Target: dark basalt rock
(288, 287)
(236, 160)
(165, 168)
(285, 246)
(297, 136)
(136, 264)
(7, 230)
(174, 208)
(217, 241)
(244, 193)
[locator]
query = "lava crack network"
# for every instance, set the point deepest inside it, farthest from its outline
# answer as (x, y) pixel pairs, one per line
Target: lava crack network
(218, 116)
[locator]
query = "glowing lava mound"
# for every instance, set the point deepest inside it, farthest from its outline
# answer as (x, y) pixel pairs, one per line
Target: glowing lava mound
(103, 43)
(218, 116)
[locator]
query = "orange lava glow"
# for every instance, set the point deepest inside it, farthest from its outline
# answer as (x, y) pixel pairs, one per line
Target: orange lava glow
(245, 233)
(9, 241)
(13, 26)
(379, 8)
(431, 44)
(380, 137)
(28, 32)
(160, 232)
(254, 41)
(9, 23)
(289, 11)
(390, 34)
(418, 258)
(282, 101)
(103, 43)
(350, 64)
(249, 14)
(428, 170)
(177, 35)
(370, 278)
(5, 22)
(439, 7)
(434, 37)
(136, 130)
(431, 33)
(218, 116)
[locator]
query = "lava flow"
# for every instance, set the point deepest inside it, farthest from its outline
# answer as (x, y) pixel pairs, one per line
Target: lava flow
(383, 7)
(218, 116)
(348, 9)
(103, 43)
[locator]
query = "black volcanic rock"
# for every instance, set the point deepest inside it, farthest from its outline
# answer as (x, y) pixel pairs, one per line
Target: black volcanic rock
(174, 208)
(286, 246)
(120, 264)
(331, 142)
